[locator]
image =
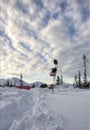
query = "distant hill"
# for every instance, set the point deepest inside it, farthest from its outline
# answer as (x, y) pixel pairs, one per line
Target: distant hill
(16, 81)
(3, 82)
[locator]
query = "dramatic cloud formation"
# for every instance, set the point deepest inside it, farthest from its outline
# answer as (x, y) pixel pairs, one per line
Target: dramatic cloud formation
(34, 32)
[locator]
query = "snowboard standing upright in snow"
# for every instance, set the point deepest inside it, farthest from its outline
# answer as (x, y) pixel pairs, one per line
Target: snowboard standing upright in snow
(54, 72)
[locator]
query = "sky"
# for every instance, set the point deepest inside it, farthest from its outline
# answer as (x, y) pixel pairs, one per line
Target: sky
(35, 32)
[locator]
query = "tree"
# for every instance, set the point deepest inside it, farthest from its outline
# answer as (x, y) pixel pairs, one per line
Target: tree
(76, 81)
(8, 83)
(61, 78)
(33, 86)
(21, 79)
(85, 70)
(79, 79)
(58, 80)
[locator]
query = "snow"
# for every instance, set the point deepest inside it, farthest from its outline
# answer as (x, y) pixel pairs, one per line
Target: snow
(39, 109)
(74, 106)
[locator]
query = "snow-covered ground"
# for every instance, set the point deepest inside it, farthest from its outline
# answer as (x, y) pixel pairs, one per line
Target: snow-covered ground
(39, 109)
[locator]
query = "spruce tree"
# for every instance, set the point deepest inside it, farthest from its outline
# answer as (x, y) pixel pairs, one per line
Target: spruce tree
(8, 82)
(21, 79)
(79, 79)
(85, 70)
(76, 81)
(58, 80)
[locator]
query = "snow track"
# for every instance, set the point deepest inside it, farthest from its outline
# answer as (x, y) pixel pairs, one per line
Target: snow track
(27, 110)
(39, 109)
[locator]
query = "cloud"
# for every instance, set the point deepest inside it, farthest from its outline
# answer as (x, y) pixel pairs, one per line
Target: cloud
(34, 32)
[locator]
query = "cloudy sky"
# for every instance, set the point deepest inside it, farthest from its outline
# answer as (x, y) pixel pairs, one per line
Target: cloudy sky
(34, 32)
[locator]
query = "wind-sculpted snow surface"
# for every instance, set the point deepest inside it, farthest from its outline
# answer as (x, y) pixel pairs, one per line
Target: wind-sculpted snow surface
(39, 109)
(27, 110)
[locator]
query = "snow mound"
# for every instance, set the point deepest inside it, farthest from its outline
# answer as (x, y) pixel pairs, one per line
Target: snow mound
(27, 111)
(39, 109)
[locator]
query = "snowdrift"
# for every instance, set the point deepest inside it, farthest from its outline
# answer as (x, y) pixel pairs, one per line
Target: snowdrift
(39, 109)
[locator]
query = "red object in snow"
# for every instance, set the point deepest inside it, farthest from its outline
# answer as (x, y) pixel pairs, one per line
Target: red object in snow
(23, 87)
